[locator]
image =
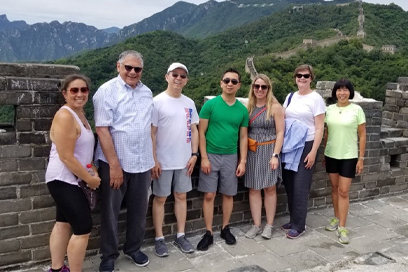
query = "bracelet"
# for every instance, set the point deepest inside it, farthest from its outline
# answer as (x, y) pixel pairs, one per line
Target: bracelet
(361, 158)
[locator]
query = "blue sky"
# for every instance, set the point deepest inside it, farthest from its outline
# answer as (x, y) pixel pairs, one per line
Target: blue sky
(100, 13)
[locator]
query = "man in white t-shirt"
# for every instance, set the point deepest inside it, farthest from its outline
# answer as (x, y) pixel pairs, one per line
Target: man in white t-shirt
(175, 147)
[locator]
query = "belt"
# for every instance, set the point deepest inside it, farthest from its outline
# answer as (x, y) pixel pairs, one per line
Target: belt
(266, 143)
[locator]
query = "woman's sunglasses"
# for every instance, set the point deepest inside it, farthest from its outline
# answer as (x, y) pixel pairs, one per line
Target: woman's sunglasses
(302, 75)
(233, 81)
(175, 75)
(262, 87)
(75, 90)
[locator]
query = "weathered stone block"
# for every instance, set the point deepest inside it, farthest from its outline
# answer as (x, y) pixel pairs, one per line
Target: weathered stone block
(32, 84)
(43, 253)
(386, 182)
(8, 193)
(375, 137)
(391, 100)
(49, 98)
(388, 122)
(23, 125)
(392, 86)
(46, 201)
(13, 232)
(37, 176)
(387, 115)
(320, 192)
(8, 138)
(27, 217)
(37, 112)
(393, 93)
(31, 164)
(33, 190)
(43, 227)
(373, 129)
(41, 151)
(397, 117)
(37, 70)
(391, 108)
(404, 110)
(35, 241)
(8, 206)
(9, 246)
(400, 102)
(8, 165)
(42, 124)
(13, 258)
(398, 187)
(403, 80)
(14, 98)
(368, 193)
(373, 113)
(14, 178)
(15, 151)
(32, 138)
(397, 150)
(7, 220)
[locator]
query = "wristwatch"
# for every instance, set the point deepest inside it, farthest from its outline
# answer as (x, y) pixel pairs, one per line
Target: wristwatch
(195, 154)
(276, 155)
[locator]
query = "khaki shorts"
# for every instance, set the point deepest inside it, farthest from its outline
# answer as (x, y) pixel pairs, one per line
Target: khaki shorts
(222, 175)
(172, 179)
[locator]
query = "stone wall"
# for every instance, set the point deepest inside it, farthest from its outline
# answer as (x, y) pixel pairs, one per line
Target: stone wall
(27, 211)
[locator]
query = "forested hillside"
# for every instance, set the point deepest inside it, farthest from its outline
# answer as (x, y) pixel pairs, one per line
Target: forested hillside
(207, 58)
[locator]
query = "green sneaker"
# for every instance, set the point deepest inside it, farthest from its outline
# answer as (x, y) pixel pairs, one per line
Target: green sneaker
(342, 233)
(334, 224)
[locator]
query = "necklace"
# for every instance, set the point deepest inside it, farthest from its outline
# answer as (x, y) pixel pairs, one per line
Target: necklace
(341, 109)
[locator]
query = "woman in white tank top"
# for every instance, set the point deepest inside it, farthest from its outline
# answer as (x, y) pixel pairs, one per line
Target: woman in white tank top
(72, 149)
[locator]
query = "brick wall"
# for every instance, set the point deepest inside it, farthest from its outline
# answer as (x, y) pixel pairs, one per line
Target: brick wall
(27, 211)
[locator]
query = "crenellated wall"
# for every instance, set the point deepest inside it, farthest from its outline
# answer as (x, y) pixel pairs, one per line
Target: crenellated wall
(27, 211)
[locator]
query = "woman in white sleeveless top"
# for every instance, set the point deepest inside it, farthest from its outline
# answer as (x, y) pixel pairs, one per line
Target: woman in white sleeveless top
(72, 149)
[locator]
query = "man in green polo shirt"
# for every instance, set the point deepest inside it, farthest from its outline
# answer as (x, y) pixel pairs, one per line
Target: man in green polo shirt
(223, 121)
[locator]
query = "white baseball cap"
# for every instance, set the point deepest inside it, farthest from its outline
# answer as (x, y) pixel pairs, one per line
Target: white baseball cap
(176, 65)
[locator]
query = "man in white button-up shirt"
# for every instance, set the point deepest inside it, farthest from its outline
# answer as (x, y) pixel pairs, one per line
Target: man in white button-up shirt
(123, 109)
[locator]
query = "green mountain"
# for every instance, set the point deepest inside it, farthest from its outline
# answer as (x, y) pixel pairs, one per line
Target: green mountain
(209, 57)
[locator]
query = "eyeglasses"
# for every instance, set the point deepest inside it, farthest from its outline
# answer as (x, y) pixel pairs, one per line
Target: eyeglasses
(175, 75)
(129, 68)
(75, 90)
(302, 75)
(233, 81)
(262, 87)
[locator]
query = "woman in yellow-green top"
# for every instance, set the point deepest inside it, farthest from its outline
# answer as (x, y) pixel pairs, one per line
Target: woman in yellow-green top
(344, 141)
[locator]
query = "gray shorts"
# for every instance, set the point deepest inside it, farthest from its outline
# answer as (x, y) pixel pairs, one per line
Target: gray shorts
(177, 179)
(223, 168)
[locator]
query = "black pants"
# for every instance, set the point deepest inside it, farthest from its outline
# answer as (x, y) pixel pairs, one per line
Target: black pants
(297, 185)
(134, 190)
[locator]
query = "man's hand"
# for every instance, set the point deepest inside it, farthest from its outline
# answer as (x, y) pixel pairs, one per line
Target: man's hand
(156, 170)
(205, 165)
(116, 176)
(240, 169)
(190, 165)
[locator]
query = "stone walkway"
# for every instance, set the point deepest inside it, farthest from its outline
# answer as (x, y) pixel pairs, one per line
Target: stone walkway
(379, 225)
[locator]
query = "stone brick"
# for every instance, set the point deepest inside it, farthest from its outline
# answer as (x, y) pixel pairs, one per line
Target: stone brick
(390, 100)
(397, 117)
(398, 187)
(33, 190)
(9, 245)
(7, 206)
(402, 124)
(373, 153)
(14, 178)
(32, 84)
(400, 102)
(318, 202)
(37, 70)
(393, 93)
(43, 227)
(7, 220)
(49, 98)
(391, 108)
(8, 138)
(403, 80)
(35, 241)
(405, 95)
(392, 86)
(43, 253)
(11, 98)
(369, 193)
(37, 176)
(43, 201)
(13, 258)
(15, 151)
(373, 113)
(36, 111)
(31, 164)
(375, 121)
(32, 216)
(8, 193)
(373, 129)
(387, 122)
(13, 232)
(32, 138)
(320, 192)
(41, 151)
(386, 182)
(23, 125)
(387, 115)
(42, 125)
(8, 165)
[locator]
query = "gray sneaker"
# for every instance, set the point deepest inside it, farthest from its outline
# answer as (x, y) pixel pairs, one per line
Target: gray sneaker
(184, 245)
(342, 233)
(267, 232)
(161, 248)
(334, 224)
(253, 232)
